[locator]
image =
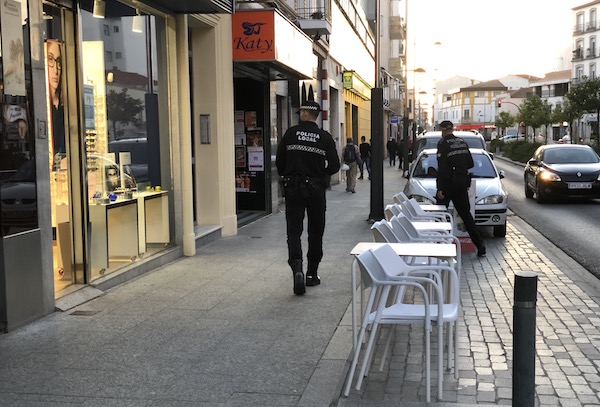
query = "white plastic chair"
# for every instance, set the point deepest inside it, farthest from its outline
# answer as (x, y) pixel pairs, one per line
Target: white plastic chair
(419, 212)
(383, 233)
(391, 210)
(402, 224)
(449, 310)
(374, 277)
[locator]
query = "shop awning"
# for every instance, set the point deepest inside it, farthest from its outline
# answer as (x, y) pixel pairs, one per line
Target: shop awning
(192, 6)
(114, 8)
(266, 39)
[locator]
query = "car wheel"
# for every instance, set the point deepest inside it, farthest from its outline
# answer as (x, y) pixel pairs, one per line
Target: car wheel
(500, 231)
(528, 191)
(540, 196)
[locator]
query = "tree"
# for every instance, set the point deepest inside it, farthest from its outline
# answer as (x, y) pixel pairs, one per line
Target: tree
(534, 112)
(122, 108)
(585, 98)
(566, 113)
(505, 120)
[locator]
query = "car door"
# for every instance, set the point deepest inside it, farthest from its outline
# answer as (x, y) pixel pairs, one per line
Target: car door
(532, 169)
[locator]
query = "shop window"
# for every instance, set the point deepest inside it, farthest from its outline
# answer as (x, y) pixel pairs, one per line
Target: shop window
(106, 29)
(127, 206)
(18, 197)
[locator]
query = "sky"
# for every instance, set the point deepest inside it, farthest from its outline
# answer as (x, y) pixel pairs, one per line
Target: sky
(484, 39)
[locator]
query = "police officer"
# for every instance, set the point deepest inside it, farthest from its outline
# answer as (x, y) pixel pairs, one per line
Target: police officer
(453, 180)
(306, 160)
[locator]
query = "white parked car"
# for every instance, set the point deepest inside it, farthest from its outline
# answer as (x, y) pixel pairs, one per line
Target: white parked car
(491, 199)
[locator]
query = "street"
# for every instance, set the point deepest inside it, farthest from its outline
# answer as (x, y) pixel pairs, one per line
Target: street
(570, 225)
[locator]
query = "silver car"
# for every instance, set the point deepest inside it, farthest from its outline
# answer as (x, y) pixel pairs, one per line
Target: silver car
(491, 199)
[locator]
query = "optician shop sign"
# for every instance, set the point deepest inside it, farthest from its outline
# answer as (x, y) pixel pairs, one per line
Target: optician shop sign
(265, 35)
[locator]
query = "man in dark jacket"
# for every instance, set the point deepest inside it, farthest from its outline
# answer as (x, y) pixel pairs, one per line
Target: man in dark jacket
(306, 160)
(453, 179)
(392, 147)
(365, 155)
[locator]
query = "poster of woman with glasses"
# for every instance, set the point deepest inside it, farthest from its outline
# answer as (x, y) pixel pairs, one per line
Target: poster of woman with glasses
(55, 98)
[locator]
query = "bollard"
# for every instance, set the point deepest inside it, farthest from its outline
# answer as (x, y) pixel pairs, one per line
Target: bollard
(523, 392)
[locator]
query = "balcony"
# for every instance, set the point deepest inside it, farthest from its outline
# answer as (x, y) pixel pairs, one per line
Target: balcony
(578, 54)
(396, 67)
(590, 53)
(315, 19)
(397, 28)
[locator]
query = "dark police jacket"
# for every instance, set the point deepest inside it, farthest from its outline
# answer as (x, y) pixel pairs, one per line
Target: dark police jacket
(307, 151)
(454, 161)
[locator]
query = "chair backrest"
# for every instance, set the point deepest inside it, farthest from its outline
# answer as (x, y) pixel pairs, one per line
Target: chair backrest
(370, 269)
(390, 262)
(399, 230)
(382, 232)
(408, 226)
(400, 197)
(391, 210)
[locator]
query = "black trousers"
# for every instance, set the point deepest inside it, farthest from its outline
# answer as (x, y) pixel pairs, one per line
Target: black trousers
(298, 201)
(460, 199)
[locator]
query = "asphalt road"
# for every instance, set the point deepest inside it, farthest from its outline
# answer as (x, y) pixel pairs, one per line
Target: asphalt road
(574, 226)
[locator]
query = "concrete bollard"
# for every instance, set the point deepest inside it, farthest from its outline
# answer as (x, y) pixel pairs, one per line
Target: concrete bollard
(525, 296)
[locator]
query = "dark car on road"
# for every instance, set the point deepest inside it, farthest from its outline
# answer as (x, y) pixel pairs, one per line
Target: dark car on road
(562, 171)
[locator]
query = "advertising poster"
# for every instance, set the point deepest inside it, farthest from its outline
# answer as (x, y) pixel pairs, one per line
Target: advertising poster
(240, 156)
(12, 48)
(88, 107)
(15, 122)
(56, 98)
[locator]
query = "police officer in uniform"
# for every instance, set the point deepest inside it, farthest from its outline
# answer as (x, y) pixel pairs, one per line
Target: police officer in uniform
(306, 160)
(453, 180)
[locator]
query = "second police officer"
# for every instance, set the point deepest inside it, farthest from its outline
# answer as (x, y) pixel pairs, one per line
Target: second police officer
(453, 179)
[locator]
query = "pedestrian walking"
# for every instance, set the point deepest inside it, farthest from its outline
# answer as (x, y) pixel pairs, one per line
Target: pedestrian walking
(306, 159)
(351, 157)
(392, 147)
(365, 155)
(400, 153)
(453, 180)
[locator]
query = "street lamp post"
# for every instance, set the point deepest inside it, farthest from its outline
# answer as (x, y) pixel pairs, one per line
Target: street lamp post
(406, 118)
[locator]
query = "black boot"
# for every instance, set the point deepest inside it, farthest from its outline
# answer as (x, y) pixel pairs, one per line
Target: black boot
(296, 266)
(312, 277)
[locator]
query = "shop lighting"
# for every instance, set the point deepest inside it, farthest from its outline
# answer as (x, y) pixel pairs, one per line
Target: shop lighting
(138, 23)
(99, 8)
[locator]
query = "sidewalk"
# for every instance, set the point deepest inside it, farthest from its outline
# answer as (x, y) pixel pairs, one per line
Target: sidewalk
(223, 328)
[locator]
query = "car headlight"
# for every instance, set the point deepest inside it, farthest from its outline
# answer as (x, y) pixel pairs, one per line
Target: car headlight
(490, 200)
(549, 176)
(423, 199)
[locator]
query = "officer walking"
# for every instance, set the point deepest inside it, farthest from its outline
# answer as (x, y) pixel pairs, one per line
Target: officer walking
(453, 180)
(306, 160)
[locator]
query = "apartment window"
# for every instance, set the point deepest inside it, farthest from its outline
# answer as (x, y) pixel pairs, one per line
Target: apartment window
(579, 25)
(118, 55)
(592, 49)
(106, 29)
(108, 56)
(578, 73)
(466, 114)
(115, 28)
(592, 23)
(592, 71)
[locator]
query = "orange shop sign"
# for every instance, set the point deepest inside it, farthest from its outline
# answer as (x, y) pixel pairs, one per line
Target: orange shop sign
(253, 36)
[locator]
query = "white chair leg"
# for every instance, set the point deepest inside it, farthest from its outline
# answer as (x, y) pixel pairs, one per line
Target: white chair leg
(354, 362)
(427, 365)
(440, 357)
(367, 356)
(387, 347)
(455, 360)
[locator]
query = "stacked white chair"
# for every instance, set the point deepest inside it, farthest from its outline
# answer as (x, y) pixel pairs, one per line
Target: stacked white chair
(382, 270)
(448, 313)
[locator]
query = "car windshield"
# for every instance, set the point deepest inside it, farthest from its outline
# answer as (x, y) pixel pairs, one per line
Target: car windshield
(427, 167)
(570, 156)
(431, 142)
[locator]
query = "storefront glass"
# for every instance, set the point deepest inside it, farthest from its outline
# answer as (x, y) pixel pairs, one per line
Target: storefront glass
(128, 209)
(18, 197)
